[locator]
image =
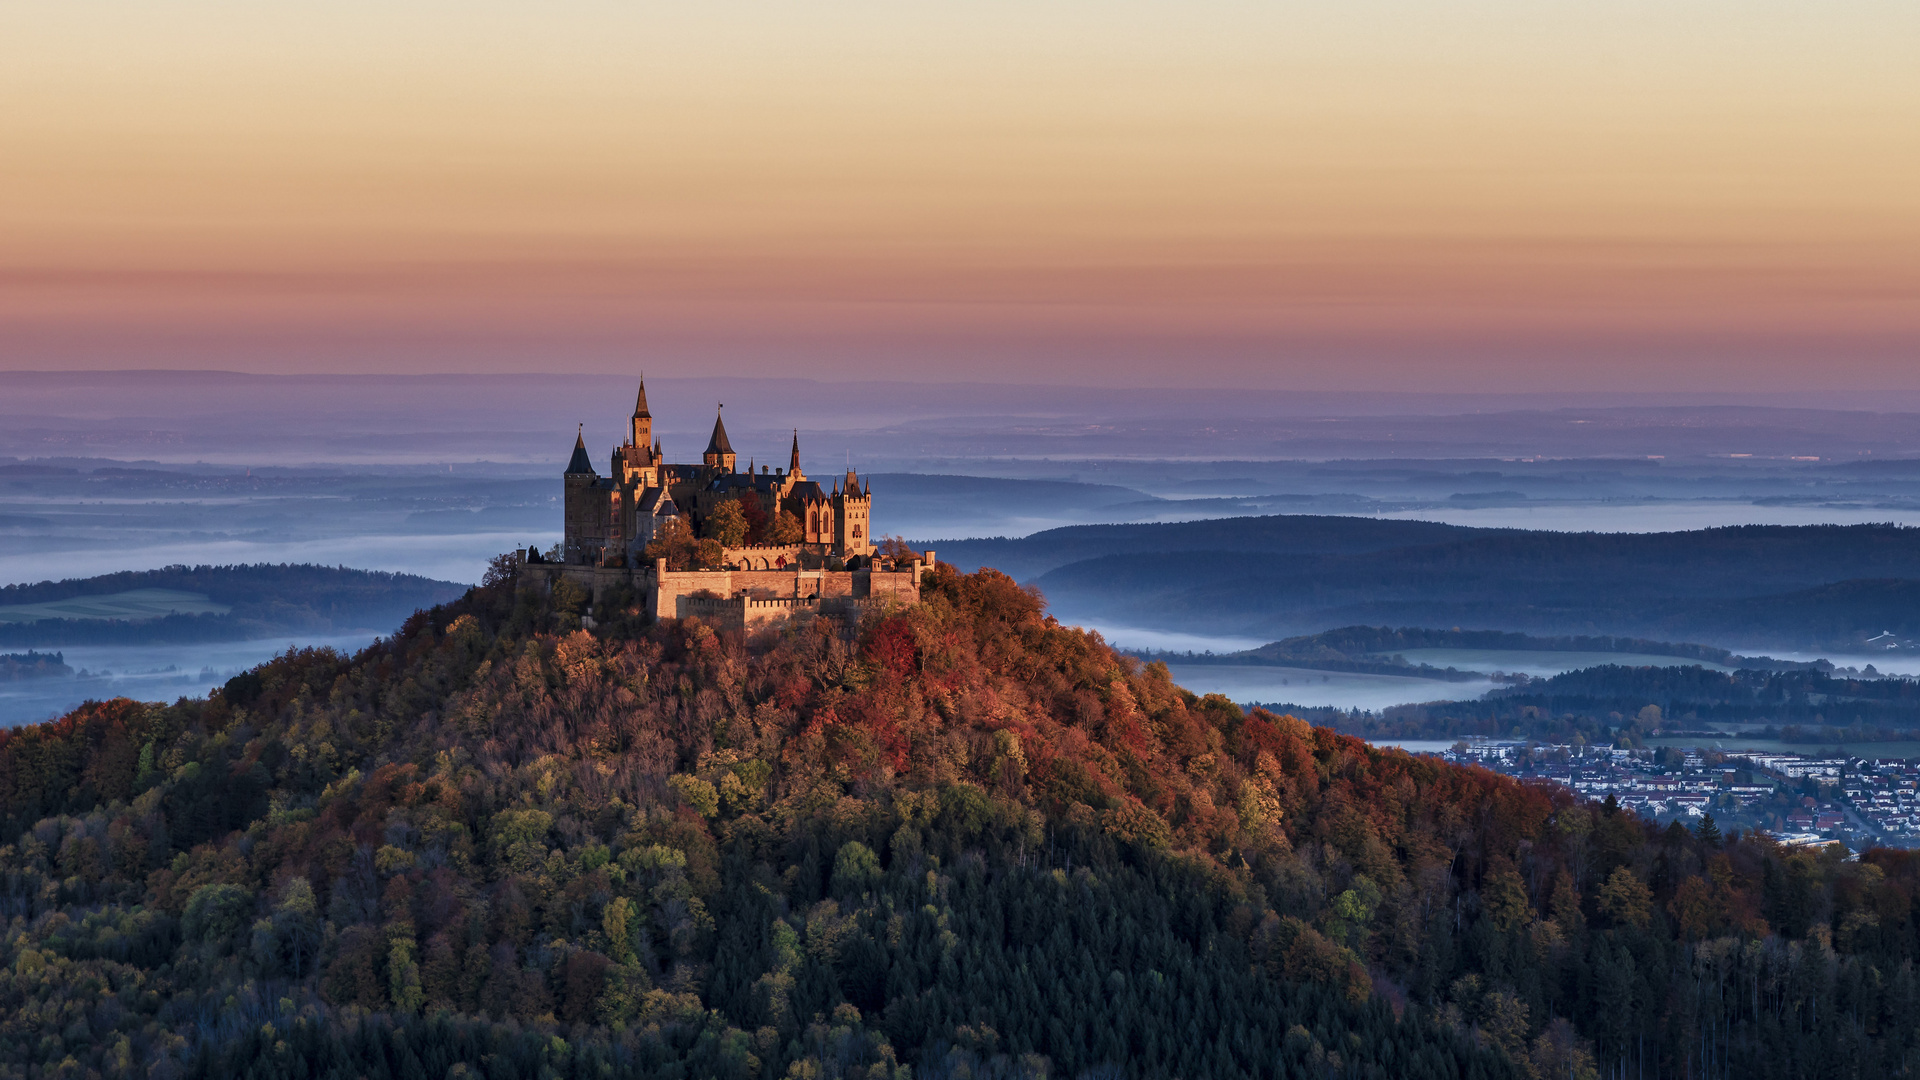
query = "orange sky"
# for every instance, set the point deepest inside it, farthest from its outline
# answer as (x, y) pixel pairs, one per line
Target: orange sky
(1330, 195)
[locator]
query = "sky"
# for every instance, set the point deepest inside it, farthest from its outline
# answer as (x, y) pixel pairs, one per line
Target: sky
(1326, 195)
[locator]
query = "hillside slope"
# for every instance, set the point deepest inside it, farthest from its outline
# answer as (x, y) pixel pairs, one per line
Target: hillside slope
(954, 840)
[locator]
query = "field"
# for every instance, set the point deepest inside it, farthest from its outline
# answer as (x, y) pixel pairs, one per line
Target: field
(133, 605)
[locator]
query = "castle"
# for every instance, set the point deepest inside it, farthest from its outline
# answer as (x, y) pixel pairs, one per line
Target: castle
(805, 548)
(610, 520)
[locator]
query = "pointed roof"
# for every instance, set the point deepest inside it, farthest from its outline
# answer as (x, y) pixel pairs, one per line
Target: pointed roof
(580, 463)
(719, 444)
(640, 405)
(793, 464)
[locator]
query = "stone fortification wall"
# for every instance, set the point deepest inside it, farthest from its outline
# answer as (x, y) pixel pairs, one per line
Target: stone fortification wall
(748, 597)
(762, 557)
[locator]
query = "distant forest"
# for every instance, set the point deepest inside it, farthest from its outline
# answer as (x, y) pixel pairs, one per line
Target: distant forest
(1827, 587)
(266, 599)
(32, 665)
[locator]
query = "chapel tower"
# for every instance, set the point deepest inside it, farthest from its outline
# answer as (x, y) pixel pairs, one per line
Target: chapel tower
(637, 464)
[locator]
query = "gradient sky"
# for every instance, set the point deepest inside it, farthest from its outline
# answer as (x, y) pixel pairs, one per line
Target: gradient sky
(1350, 194)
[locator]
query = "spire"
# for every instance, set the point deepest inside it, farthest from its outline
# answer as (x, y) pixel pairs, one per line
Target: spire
(793, 463)
(719, 444)
(640, 404)
(580, 463)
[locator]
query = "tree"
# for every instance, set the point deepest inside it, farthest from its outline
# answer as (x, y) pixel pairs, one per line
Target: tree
(616, 922)
(755, 516)
(296, 927)
(1504, 896)
(784, 529)
(503, 569)
(1709, 832)
(1626, 899)
(403, 973)
(673, 541)
(727, 523)
(1693, 909)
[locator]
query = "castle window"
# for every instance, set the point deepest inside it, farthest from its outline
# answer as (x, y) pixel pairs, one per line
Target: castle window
(856, 532)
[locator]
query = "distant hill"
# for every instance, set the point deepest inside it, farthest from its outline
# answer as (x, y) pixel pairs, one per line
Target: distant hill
(1828, 587)
(1228, 539)
(1604, 703)
(212, 603)
(1378, 650)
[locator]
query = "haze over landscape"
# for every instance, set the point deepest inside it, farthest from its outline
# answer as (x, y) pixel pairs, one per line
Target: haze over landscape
(1363, 539)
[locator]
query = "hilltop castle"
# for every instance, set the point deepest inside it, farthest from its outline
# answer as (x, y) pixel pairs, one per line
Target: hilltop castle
(610, 520)
(810, 548)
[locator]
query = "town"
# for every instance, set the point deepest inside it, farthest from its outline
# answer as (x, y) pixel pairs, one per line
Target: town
(1798, 799)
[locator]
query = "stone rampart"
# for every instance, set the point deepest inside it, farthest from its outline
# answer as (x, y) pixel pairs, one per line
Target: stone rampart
(748, 597)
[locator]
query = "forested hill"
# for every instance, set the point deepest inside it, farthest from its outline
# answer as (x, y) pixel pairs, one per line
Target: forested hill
(1355, 642)
(259, 600)
(1378, 649)
(1816, 587)
(1029, 557)
(952, 840)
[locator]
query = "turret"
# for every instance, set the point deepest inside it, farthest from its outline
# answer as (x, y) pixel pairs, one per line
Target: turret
(793, 463)
(719, 453)
(581, 465)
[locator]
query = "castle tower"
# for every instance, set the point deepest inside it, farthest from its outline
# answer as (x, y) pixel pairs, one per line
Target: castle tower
(579, 515)
(853, 531)
(793, 463)
(641, 434)
(719, 453)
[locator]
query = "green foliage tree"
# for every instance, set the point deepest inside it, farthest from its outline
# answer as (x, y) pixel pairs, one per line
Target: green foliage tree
(785, 528)
(726, 523)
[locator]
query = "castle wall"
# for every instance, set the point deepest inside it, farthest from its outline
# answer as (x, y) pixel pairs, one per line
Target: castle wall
(763, 557)
(745, 597)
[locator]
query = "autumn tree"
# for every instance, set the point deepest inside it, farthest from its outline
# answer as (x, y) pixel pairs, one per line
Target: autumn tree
(673, 541)
(785, 529)
(1626, 899)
